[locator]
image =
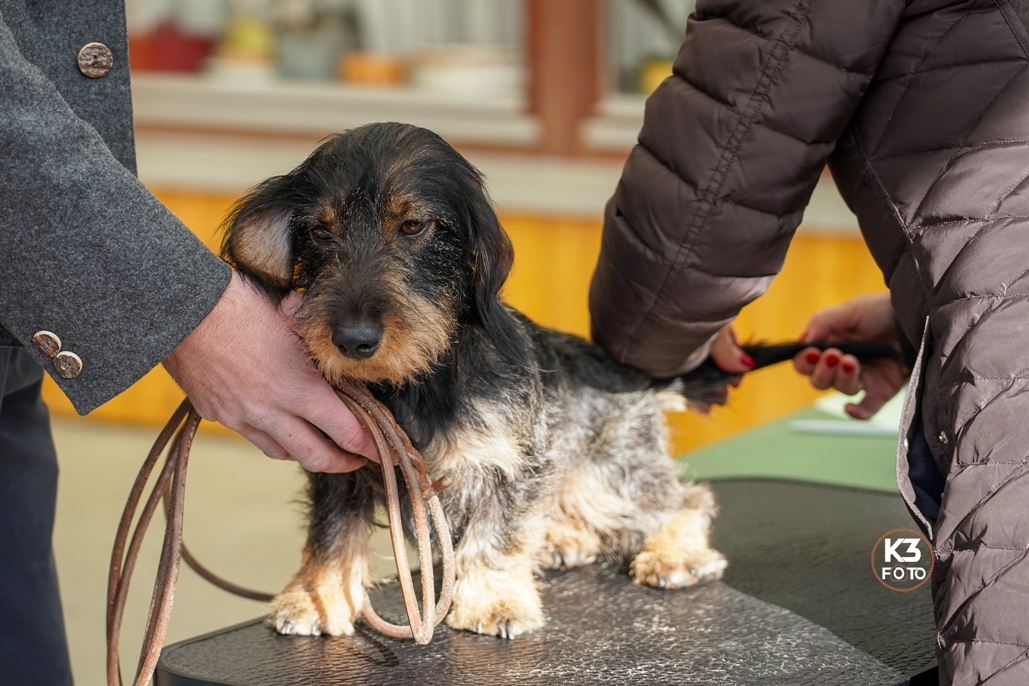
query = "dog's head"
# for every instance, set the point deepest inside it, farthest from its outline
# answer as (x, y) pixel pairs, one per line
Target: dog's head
(390, 235)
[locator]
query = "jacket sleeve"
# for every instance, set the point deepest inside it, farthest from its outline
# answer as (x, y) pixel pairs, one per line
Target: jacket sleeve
(731, 148)
(87, 252)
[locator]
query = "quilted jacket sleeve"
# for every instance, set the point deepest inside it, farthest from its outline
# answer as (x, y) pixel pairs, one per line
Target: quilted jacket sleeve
(731, 148)
(88, 253)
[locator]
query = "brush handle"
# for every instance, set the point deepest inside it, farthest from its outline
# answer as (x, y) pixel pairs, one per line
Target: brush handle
(767, 354)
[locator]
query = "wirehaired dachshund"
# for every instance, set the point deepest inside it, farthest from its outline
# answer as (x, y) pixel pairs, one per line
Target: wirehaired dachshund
(553, 455)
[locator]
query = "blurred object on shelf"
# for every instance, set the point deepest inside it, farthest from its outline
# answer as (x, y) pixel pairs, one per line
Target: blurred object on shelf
(312, 36)
(481, 70)
(173, 35)
(405, 26)
(167, 47)
(652, 73)
(246, 53)
(372, 68)
(461, 48)
(643, 38)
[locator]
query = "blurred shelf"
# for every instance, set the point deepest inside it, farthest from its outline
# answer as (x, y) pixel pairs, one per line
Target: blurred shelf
(517, 182)
(293, 108)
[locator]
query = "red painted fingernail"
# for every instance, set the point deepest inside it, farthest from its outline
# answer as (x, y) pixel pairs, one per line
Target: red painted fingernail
(847, 367)
(812, 357)
(831, 360)
(746, 360)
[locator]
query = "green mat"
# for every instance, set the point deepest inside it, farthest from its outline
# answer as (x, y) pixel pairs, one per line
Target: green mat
(776, 451)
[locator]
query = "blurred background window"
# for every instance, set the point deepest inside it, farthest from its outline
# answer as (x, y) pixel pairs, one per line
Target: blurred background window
(643, 38)
(450, 47)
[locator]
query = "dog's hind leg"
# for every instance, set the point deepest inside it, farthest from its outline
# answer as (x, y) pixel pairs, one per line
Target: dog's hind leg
(328, 592)
(680, 553)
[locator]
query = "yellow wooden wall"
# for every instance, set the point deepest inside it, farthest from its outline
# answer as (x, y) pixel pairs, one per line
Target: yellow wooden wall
(554, 259)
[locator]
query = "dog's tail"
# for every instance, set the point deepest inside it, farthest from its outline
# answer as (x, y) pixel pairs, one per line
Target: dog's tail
(706, 383)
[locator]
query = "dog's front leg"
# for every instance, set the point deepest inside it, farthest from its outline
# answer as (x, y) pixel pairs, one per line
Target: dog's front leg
(328, 592)
(496, 591)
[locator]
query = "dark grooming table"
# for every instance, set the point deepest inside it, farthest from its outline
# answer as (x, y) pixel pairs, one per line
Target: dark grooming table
(799, 605)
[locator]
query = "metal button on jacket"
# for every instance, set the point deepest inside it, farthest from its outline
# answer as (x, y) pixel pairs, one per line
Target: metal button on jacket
(95, 60)
(47, 342)
(68, 365)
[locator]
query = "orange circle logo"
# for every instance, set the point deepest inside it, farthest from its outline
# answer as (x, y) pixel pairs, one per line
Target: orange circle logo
(903, 560)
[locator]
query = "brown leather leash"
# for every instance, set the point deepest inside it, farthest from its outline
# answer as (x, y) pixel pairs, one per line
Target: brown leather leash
(390, 442)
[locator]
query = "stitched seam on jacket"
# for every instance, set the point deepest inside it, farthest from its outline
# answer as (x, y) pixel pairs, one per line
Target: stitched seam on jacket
(972, 596)
(1014, 661)
(986, 640)
(729, 107)
(944, 548)
(884, 196)
(942, 67)
(729, 154)
(925, 55)
(991, 296)
(978, 589)
(996, 206)
(972, 220)
(969, 146)
(1014, 23)
(964, 246)
(715, 201)
(983, 546)
(971, 130)
(792, 48)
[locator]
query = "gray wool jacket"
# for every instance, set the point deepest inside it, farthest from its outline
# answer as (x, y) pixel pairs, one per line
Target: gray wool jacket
(88, 253)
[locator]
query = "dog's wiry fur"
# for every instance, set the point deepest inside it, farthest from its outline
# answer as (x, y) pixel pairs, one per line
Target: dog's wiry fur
(553, 454)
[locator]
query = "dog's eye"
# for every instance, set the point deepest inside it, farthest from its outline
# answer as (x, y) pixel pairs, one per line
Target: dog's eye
(414, 227)
(322, 235)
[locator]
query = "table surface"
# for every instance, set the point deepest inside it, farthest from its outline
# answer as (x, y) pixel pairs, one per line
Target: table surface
(799, 605)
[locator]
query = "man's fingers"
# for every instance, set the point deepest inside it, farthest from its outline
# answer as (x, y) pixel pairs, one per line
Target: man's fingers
(267, 445)
(312, 450)
(328, 413)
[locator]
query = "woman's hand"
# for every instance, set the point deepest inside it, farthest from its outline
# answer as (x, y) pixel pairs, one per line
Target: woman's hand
(865, 318)
(727, 354)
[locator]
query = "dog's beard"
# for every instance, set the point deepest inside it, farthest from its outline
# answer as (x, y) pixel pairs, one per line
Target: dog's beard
(416, 333)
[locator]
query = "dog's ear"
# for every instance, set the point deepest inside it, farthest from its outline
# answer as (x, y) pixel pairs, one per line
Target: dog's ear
(258, 241)
(492, 258)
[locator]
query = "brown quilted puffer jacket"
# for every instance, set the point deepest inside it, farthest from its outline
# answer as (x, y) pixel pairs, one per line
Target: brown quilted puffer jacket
(921, 109)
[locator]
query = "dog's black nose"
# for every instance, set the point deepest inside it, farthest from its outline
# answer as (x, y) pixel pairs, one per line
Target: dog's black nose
(359, 340)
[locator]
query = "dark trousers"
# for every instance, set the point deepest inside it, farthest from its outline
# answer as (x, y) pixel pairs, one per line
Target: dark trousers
(33, 650)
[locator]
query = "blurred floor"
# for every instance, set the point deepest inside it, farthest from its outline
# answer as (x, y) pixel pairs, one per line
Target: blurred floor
(243, 520)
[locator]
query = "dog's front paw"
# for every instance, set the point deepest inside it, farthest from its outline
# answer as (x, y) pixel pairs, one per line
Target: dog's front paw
(497, 603)
(677, 568)
(317, 605)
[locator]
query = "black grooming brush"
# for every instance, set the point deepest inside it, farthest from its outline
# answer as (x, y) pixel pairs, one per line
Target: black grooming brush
(707, 382)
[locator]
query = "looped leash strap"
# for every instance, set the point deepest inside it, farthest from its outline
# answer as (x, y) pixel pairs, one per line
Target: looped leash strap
(391, 443)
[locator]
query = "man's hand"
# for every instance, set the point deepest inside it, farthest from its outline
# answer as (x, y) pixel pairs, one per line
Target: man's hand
(244, 367)
(866, 318)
